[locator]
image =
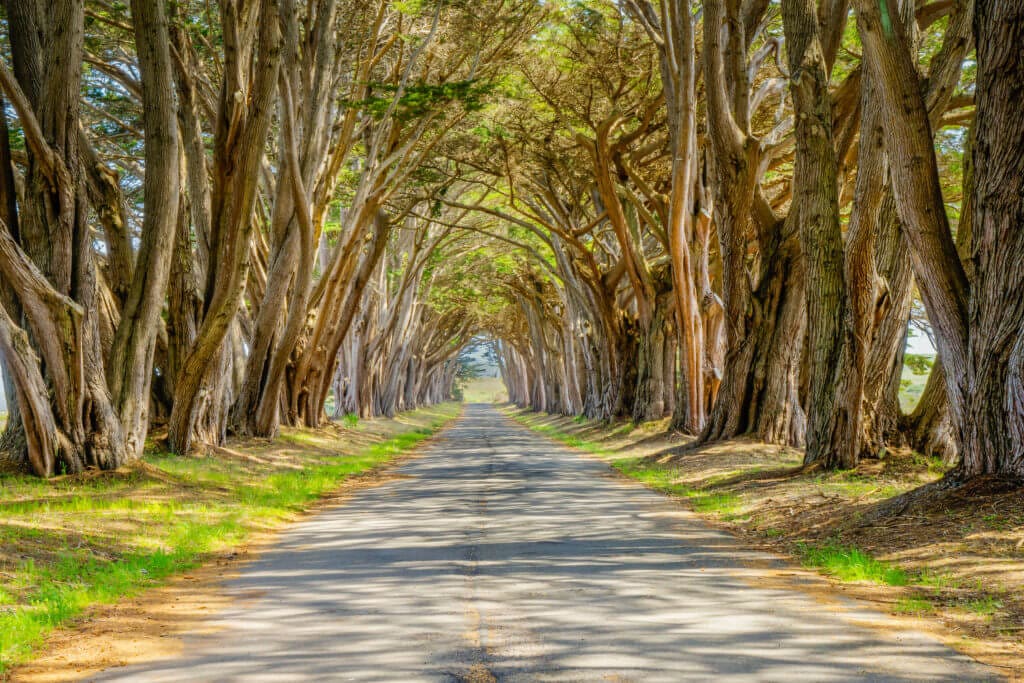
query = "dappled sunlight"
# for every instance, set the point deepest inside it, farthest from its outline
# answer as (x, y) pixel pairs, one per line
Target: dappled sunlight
(960, 551)
(70, 542)
(502, 552)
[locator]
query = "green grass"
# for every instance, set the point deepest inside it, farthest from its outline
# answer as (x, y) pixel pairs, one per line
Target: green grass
(937, 581)
(984, 606)
(484, 390)
(722, 503)
(848, 563)
(853, 484)
(913, 605)
(350, 420)
(100, 540)
(911, 386)
(570, 440)
(624, 430)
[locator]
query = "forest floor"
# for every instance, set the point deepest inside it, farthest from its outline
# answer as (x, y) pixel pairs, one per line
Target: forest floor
(72, 544)
(954, 563)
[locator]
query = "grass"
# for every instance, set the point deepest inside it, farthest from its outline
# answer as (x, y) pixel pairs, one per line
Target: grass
(911, 387)
(724, 504)
(855, 485)
(570, 440)
(73, 542)
(984, 606)
(913, 605)
(848, 563)
(484, 390)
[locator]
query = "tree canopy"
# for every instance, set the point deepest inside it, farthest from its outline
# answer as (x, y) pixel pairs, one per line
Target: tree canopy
(223, 217)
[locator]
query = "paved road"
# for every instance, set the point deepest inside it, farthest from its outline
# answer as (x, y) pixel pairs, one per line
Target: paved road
(501, 557)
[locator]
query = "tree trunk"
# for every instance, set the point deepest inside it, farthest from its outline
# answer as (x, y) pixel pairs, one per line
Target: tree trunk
(130, 365)
(816, 204)
(991, 433)
(759, 393)
(238, 151)
(915, 181)
(651, 393)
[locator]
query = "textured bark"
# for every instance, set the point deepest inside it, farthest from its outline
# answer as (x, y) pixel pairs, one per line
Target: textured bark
(652, 393)
(991, 429)
(927, 428)
(759, 393)
(49, 264)
(590, 301)
(763, 319)
(851, 420)
(303, 147)
(816, 204)
(940, 276)
(239, 139)
(894, 299)
(309, 385)
(130, 365)
(673, 34)
(13, 437)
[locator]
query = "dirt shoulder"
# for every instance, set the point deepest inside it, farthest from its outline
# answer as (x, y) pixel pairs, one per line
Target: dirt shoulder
(106, 568)
(953, 562)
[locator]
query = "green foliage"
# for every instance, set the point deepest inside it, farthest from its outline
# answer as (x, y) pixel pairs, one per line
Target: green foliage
(420, 99)
(985, 606)
(913, 605)
(848, 563)
(918, 363)
(350, 420)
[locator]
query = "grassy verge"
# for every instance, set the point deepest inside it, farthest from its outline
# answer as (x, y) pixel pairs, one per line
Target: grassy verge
(72, 542)
(721, 503)
(958, 562)
(849, 563)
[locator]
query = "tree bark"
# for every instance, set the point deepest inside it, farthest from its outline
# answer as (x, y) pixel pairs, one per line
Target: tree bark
(130, 366)
(991, 423)
(238, 150)
(816, 203)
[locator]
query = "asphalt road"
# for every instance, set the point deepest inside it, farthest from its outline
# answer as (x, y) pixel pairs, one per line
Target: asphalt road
(499, 556)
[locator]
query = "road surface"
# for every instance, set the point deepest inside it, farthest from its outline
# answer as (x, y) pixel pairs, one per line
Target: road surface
(500, 557)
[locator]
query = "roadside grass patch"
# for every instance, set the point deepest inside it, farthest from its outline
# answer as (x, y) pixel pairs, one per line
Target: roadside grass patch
(70, 543)
(625, 430)
(984, 606)
(937, 581)
(666, 480)
(569, 440)
(848, 563)
(850, 483)
(913, 605)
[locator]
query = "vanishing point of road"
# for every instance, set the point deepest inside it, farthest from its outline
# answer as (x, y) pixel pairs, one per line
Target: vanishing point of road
(497, 556)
